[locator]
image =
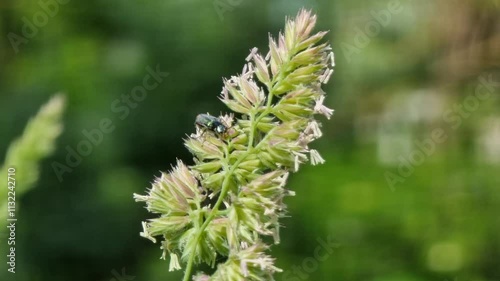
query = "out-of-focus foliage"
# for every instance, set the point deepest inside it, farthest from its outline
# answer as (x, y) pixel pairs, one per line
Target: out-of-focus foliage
(25, 153)
(415, 70)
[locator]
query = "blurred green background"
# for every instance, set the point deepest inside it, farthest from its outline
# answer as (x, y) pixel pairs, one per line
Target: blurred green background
(404, 69)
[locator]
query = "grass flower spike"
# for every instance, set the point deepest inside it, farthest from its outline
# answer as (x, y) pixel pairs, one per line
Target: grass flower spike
(37, 142)
(220, 208)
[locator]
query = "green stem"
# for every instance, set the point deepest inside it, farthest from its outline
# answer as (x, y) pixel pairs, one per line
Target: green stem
(252, 132)
(272, 85)
(215, 209)
(225, 183)
(223, 193)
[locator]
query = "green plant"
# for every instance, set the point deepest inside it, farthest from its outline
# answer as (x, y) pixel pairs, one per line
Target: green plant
(245, 169)
(37, 142)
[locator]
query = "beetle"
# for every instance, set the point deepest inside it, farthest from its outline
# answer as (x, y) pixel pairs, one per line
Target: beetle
(211, 123)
